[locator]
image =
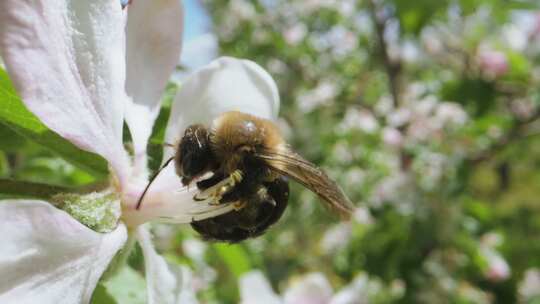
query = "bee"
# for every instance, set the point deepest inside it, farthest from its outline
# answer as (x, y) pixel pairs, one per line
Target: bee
(251, 164)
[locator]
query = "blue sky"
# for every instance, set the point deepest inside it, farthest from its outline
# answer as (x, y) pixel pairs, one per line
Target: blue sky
(200, 44)
(197, 21)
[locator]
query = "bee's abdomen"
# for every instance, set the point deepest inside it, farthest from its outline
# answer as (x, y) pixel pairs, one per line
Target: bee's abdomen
(262, 209)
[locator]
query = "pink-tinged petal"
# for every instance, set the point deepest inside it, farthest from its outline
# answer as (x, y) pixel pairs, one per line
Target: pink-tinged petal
(168, 201)
(188, 287)
(166, 283)
(67, 61)
(225, 84)
(154, 38)
(255, 289)
(48, 257)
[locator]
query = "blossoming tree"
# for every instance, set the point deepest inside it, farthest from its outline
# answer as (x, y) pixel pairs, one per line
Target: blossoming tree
(426, 112)
(81, 69)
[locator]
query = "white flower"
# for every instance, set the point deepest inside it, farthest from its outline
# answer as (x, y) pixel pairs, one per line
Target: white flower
(242, 9)
(312, 288)
(295, 34)
(321, 95)
(430, 168)
(255, 289)
(392, 137)
(362, 216)
(362, 120)
(342, 40)
(362, 290)
(365, 120)
(515, 36)
(496, 268)
(399, 117)
(394, 189)
(450, 114)
(384, 106)
(83, 67)
(529, 287)
(336, 238)
(431, 41)
(522, 108)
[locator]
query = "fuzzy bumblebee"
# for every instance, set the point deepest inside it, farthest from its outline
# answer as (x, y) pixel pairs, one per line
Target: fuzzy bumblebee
(250, 164)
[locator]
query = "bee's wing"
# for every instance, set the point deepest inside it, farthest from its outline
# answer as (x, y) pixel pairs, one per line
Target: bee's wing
(292, 165)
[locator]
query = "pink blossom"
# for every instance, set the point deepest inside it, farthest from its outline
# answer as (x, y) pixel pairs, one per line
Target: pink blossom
(536, 29)
(392, 137)
(498, 269)
(295, 34)
(493, 63)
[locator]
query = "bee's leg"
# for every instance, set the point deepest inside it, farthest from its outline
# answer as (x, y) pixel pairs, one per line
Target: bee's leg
(217, 191)
(194, 155)
(238, 205)
(277, 196)
(236, 177)
(246, 185)
(260, 197)
(263, 207)
(212, 181)
(209, 187)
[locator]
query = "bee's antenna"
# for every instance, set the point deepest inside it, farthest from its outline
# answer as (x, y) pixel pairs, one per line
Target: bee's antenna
(151, 181)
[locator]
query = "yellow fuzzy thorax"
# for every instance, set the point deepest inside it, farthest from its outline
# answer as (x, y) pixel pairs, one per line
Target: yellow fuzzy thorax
(234, 132)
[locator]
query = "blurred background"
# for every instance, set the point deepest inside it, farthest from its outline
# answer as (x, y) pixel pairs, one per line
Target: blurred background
(425, 112)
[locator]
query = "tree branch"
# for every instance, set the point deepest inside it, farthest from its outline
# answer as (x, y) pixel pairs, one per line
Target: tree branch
(392, 67)
(513, 134)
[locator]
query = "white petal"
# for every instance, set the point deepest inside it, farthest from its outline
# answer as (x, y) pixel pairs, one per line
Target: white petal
(167, 200)
(187, 295)
(255, 289)
(48, 257)
(356, 292)
(312, 288)
(154, 36)
(225, 84)
(166, 283)
(67, 61)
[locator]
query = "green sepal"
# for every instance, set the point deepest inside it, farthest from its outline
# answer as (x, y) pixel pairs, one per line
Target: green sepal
(98, 211)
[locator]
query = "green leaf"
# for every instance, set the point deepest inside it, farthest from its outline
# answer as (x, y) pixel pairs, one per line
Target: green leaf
(14, 115)
(4, 165)
(520, 4)
(12, 188)
(101, 296)
(414, 15)
(235, 257)
(520, 67)
(10, 141)
(155, 145)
